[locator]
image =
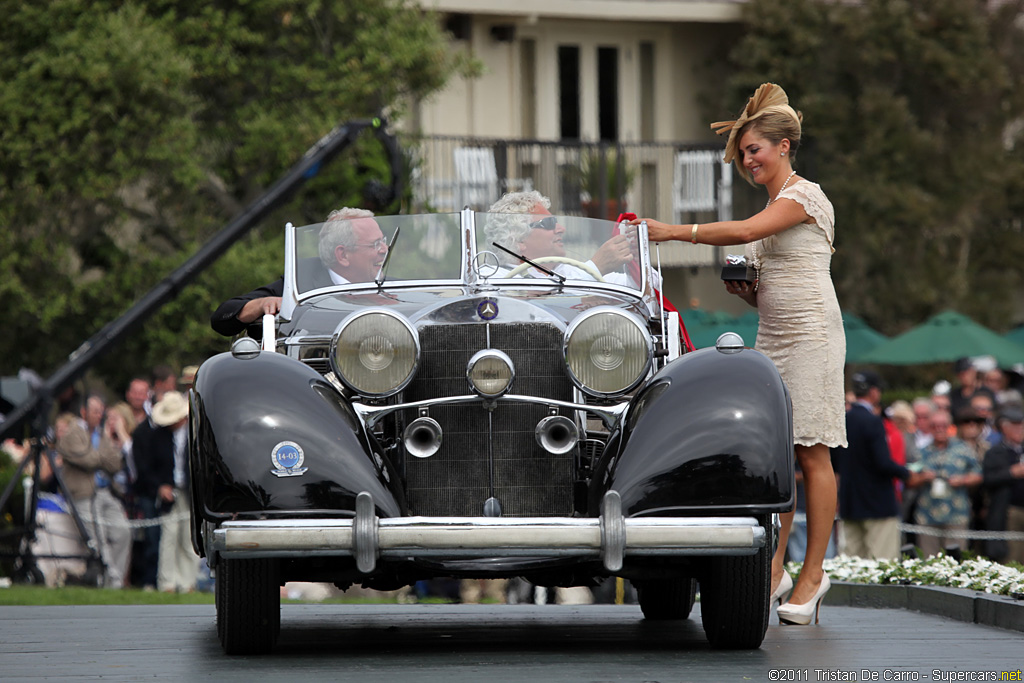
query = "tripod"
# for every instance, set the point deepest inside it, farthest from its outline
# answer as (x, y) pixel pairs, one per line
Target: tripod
(26, 570)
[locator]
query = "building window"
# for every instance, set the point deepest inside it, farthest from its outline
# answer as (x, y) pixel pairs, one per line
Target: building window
(569, 91)
(646, 91)
(608, 93)
(528, 75)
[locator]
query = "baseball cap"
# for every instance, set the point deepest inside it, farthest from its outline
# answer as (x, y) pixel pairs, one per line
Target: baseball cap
(1011, 414)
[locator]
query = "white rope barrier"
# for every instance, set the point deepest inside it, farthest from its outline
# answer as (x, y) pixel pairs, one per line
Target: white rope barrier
(962, 533)
(923, 530)
(89, 520)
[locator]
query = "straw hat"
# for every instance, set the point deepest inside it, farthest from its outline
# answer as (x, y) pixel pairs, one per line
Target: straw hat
(170, 409)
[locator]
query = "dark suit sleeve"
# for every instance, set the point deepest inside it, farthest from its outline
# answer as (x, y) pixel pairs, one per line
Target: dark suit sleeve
(225, 319)
(164, 452)
(142, 453)
(878, 452)
(996, 466)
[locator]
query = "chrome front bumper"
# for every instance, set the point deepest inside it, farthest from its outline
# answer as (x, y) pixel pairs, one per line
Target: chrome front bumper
(610, 537)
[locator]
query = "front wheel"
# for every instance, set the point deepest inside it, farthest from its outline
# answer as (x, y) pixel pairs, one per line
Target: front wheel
(248, 602)
(734, 595)
(667, 599)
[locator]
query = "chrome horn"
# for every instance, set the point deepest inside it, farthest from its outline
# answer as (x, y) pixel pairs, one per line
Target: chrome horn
(422, 437)
(557, 434)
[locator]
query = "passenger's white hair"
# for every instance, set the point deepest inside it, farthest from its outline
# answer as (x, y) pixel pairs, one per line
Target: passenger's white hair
(509, 222)
(337, 232)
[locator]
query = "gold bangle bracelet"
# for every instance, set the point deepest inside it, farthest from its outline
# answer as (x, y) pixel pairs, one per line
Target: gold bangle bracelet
(693, 235)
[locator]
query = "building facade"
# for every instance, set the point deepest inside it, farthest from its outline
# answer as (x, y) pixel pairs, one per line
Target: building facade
(592, 102)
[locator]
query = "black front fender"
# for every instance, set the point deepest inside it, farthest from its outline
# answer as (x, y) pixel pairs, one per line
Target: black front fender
(242, 409)
(710, 433)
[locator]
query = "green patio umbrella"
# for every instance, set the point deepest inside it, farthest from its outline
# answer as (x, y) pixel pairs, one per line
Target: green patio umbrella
(694, 317)
(707, 326)
(944, 338)
(703, 326)
(707, 333)
(860, 338)
(1016, 335)
(745, 325)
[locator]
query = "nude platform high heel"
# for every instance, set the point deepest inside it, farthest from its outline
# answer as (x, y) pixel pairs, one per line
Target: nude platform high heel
(783, 590)
(800, 615)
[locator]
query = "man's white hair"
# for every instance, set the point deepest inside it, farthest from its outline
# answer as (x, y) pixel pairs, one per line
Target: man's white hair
(337, 232)
(509, 222)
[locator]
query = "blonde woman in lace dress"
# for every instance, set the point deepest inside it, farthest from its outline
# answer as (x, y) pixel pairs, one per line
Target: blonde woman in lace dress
(801, 327)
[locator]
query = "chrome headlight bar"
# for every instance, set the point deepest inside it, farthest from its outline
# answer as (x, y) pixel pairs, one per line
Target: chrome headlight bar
(371, 415)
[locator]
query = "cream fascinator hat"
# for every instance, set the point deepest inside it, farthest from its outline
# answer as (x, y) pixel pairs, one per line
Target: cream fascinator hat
(767, 99)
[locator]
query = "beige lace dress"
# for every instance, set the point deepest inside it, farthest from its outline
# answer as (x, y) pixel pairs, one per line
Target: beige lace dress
(801, 326)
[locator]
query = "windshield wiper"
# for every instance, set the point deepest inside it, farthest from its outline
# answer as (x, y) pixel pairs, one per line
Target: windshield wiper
(560, 278)
(379, 280)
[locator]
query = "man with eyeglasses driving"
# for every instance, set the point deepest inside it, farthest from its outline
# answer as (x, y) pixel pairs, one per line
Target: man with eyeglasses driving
(352, 249)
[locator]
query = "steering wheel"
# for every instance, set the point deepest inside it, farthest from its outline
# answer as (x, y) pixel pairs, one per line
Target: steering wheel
(582, 265)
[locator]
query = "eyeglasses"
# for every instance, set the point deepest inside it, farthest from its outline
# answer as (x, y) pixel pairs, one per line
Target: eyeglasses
(546, 223)
(376, 244)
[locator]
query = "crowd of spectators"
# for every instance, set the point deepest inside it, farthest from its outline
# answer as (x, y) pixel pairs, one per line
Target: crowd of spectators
(122, 470)
(940, 472)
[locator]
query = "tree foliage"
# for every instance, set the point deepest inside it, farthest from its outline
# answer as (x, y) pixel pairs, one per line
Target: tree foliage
(131, 131)
(914, 108)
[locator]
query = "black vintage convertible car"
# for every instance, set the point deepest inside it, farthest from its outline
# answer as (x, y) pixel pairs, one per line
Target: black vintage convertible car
(470, 415)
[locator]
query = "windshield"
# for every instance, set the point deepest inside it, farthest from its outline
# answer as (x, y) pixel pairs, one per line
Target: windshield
(429, 247)
(353, 250)
(574, 247)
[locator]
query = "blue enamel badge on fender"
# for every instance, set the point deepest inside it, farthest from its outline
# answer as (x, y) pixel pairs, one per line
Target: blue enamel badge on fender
(287, 457)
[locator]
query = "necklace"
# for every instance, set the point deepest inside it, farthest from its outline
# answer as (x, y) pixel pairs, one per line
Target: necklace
(770, 200)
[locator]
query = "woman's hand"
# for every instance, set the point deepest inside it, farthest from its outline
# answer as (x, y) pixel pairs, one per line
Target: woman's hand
(742, 289)
(656, 230)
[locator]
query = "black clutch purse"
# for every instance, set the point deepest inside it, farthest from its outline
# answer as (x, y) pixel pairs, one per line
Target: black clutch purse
(737, 270)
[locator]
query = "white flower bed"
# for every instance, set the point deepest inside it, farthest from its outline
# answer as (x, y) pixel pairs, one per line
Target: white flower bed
(941, 570)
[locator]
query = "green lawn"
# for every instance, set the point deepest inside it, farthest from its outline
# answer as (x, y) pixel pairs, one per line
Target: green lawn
(78, 595)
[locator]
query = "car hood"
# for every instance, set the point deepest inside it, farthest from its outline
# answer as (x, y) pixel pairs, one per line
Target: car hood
(453, 305)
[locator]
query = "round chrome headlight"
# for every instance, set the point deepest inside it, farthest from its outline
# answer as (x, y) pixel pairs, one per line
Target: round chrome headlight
(490, 373)
(374, 352)
(607, 351)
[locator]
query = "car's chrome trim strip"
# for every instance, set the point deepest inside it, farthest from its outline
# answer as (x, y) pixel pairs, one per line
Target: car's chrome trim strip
(610, 537)
(371, 415)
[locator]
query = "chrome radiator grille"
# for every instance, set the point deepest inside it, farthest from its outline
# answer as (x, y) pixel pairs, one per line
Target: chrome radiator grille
(457, 480)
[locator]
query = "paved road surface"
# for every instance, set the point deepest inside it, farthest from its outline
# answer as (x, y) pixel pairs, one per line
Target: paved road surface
(474, 643)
